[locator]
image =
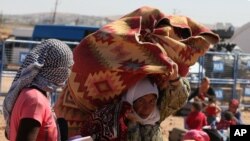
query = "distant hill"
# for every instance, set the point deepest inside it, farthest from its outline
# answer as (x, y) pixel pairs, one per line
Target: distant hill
(61, 18)
(72, 19)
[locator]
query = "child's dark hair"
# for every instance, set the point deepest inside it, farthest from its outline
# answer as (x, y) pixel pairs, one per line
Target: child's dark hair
(197, 105)
(228, 115)
(204, 79)
(212, 100)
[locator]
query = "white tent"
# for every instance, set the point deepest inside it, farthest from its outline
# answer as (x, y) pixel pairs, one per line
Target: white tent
(242, 38)
(195, 71)
(23, 32)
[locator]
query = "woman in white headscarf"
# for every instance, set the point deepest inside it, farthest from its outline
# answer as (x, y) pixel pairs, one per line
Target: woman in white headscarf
(26, 108)
(145, 116)
(143, 97)
(138, 115)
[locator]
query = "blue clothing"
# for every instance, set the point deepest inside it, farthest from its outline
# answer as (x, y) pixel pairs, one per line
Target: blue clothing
(238, 117)
(211, 120)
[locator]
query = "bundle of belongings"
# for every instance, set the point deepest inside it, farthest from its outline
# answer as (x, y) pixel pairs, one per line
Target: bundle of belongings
(145, 42)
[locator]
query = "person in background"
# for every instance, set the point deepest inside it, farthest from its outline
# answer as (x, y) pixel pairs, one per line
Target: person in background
(196, 135)
(233, 108)
(228, 120)
(212, 110)
(27, 109)
(224, 124)
(203, 91)
(196, 118)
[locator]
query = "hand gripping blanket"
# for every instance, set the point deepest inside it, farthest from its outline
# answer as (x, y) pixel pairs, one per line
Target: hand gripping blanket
(109, 61)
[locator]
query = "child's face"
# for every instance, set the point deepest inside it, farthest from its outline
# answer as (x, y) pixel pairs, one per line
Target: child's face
(145, 105)
(192, 109)
(205, 82)
(233, 108)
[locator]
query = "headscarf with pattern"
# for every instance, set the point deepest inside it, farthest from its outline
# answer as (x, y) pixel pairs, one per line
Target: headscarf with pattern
(47, 67)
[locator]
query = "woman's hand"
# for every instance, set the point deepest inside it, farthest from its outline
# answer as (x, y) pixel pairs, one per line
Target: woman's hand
(174, 74)
(131, 116)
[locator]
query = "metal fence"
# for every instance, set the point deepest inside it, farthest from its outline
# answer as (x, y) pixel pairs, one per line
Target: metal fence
(229, 73)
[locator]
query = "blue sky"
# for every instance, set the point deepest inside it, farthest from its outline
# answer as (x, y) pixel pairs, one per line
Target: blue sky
(236, 12)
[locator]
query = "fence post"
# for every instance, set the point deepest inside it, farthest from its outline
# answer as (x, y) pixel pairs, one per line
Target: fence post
(236, 60)
(1, 63)
(201, 68)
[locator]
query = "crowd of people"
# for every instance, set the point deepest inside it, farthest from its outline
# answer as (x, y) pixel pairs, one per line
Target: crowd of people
(207, 116)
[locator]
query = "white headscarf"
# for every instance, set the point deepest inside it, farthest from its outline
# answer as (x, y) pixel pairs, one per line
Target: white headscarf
(140, 89)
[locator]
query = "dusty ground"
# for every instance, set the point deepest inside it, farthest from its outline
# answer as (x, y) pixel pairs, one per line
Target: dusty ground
(168, 124)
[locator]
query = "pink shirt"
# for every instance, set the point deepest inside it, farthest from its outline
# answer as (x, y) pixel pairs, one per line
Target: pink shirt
(31, 103)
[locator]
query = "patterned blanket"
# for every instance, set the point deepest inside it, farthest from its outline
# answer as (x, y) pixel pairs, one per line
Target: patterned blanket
(109, 61)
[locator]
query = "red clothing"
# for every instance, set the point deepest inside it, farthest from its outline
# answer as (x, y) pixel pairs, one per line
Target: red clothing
(211, 111)
(31, 103)
(112, 128)
(196, 120)
(225, 124)
(196, 135)
(202, 96)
